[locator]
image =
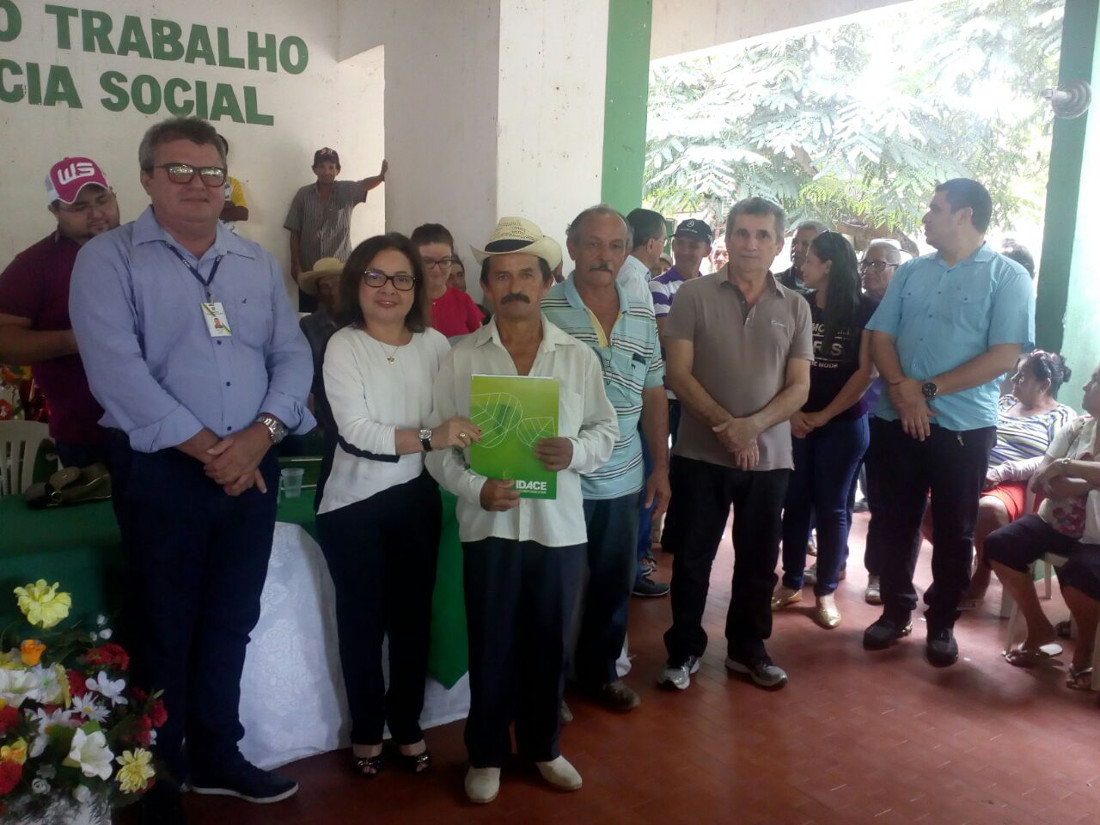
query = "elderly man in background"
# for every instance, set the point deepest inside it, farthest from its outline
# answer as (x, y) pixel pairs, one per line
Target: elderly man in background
(800, 245)
(193, 350)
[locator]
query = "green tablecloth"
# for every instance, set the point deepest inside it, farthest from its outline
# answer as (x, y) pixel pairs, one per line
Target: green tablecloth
(79, 548)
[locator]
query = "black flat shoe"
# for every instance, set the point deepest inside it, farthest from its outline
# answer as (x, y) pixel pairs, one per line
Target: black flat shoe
(368, 766)
(415, 763)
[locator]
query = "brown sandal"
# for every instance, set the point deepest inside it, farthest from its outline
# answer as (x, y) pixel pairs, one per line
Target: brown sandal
(1079, 679)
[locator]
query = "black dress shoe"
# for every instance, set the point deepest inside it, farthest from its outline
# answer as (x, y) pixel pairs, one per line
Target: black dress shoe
(885, 633)
(941, 647)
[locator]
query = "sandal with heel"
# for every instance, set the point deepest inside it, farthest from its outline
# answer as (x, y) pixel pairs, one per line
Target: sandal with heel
(368, 766)
(416, 762)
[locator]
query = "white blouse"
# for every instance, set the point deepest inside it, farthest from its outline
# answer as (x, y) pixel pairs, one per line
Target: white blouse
(374, 390)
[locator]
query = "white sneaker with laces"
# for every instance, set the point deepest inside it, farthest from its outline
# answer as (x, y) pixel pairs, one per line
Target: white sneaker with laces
(679, 677)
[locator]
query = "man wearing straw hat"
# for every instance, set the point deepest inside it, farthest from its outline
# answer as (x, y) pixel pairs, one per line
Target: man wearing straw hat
(522, 558)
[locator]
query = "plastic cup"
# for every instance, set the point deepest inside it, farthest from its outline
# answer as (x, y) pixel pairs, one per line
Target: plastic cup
(291, 481)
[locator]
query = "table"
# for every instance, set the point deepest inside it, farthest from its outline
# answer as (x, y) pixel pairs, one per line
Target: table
(292, 695)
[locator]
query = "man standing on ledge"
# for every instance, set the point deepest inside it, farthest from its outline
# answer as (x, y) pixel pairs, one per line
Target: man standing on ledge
(34, 307)
(193, 350)
(319, 219)
(522, 557)
(950, 325)
(738, 349)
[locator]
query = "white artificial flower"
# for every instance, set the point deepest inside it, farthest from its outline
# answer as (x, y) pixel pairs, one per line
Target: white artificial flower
(106, 633)
(47, 772)
(40, 786)
(47, 720)
(109, 688)
(91, 755)
(89, 708)
(100, 620)
(17, 685)
(82, 794)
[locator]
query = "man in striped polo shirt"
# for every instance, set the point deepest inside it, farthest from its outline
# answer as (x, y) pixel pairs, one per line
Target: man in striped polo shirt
(591, 306)
(319, 218)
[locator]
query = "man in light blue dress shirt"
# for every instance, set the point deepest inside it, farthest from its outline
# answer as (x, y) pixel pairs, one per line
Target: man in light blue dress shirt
(951, 323)
(193, 350)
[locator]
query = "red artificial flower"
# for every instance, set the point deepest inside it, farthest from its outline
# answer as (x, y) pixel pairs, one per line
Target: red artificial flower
(10, 774)
(158, 715)
(9, 718)
(109, 654)
(78, 683)
(139, 695)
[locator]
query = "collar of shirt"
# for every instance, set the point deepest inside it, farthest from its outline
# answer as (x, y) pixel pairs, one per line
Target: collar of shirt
(577, 302)
(552, 337)
(980, 255)
(147, 229)
(770, 285)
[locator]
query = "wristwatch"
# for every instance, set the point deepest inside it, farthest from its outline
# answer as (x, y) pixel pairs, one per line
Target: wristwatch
(929, 389)
(425, 436)
(275, 428)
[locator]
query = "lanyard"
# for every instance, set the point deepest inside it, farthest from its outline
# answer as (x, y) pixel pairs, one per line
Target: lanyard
(204, 281)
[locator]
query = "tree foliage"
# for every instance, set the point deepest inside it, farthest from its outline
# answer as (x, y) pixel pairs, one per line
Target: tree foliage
(856, 123)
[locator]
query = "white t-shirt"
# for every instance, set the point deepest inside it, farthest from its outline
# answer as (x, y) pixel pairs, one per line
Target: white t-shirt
(371, 398)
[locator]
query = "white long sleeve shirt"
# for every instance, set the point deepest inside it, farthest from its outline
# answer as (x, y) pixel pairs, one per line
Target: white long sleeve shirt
(585, 417)
(371, 398)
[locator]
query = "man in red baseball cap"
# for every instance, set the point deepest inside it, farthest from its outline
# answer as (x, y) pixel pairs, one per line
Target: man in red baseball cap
(34, 306)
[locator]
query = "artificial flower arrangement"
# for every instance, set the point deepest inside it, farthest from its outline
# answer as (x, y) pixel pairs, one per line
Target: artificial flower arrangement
(71, 732)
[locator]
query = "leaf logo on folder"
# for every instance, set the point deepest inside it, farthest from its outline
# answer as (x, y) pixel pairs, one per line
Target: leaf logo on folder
(514, 413)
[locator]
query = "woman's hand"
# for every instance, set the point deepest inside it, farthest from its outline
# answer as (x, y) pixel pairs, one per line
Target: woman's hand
(800, 425)
(455, 432)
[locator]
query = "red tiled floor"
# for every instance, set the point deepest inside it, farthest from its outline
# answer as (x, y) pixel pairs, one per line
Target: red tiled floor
(855, 737)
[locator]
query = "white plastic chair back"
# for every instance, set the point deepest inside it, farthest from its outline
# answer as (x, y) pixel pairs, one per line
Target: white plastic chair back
(19, 444)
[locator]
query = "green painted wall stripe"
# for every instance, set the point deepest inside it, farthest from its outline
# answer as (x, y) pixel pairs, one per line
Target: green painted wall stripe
(626, 102)
(1069, 292)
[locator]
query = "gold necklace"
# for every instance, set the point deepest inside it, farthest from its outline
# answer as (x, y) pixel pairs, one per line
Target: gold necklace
(391, 357)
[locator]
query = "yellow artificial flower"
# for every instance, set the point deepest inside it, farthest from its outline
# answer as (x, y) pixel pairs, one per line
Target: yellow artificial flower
(42, 604)
(15, 752)
(136, 771)
(64, 698)
(30, 651)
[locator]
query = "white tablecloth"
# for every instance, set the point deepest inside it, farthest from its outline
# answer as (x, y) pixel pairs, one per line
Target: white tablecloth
(292, 692)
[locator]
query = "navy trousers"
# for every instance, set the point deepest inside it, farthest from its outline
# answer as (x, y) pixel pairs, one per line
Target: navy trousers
(196, 563)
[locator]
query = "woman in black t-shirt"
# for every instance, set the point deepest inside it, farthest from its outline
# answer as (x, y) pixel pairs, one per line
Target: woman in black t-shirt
(830, 431)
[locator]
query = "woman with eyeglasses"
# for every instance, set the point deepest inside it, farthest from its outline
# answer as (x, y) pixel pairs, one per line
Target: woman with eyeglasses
(453, 312)
(830, 431)
(380, 516)
(1028, 418)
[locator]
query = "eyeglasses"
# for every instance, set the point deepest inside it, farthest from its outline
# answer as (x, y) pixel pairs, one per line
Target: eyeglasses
(402, 281)
(184, 172)
(876, 266)
(101, 202)
(433, 263)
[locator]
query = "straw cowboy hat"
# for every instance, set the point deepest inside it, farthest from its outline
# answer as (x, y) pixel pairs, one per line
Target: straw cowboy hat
(307, 281)
(519, 235)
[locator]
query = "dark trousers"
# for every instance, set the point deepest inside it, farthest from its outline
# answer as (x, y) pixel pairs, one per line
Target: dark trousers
(382, 555)
(951, 465)
(196, 562)
(80, 455)
(645, 514)
(671, 516)
(705, 492)
(825, 464)
(519, 602)
(612, 526)
(877, 455)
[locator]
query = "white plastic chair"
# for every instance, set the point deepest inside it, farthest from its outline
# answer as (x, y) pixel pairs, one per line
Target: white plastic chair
(19, 444)
(1051, 561)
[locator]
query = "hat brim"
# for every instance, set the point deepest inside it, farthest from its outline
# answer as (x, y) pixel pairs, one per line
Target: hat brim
(307, 281)
(545, 247)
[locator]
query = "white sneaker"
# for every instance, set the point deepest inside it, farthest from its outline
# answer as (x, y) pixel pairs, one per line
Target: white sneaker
(482, 785)
(679, 677)
(560, 773)
(873, 593)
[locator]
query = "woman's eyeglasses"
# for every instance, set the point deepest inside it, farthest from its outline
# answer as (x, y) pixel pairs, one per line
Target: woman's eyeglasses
(402, 281)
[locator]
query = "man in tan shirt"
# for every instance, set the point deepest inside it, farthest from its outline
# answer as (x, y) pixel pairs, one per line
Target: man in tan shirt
(738, 352)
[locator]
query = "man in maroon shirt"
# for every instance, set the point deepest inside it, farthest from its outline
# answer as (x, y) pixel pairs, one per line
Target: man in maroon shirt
(34, 307)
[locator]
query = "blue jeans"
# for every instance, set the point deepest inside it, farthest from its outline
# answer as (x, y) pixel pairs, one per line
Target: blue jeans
(825, 463)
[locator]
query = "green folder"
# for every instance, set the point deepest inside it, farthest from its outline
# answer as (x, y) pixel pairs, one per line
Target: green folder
(514, 413)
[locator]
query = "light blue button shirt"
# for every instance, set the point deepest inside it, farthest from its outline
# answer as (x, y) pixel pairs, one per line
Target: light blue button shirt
(942, 317)
(150, 359)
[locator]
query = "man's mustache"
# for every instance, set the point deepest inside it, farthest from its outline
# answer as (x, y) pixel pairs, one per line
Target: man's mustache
(515, 296)
(600, 267)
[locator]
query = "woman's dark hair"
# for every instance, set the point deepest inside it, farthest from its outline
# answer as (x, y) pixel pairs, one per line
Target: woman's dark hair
(842, 292)
(1048, 366)
(352, 276)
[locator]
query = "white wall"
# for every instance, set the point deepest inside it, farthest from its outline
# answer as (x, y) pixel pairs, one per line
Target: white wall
(680, 27)
(330, 103)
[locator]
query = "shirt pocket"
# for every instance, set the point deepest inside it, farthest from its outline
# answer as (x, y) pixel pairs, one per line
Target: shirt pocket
(968, 303)
(252, 321)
